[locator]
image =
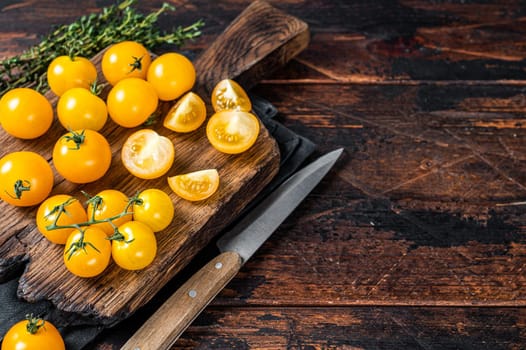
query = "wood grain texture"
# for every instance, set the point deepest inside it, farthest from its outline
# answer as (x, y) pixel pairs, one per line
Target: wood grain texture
(364, 327)
(117, 293)
(356, 328)
(177, 313)
(405, 244)
(285, 37)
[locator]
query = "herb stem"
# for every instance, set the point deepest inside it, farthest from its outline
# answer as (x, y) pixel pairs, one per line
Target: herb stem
(87, 36)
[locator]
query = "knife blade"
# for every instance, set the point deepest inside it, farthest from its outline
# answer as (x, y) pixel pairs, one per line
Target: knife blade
(236, 246)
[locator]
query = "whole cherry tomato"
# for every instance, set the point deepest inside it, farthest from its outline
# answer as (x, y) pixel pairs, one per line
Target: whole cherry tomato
(88, 253)
(25, 113)
(126, 59)
(26, 178)
(136, 248)
(131, 102)
(80, 108)
(82, 156)
(107, 204)
(59, 210)
(33, 334)
(66, 72)
(172, 74)
(154, 208)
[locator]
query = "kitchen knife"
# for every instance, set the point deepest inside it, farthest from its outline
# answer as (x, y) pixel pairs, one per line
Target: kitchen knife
(165, 326)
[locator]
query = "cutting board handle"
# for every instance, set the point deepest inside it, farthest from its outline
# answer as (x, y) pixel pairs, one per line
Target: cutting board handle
(259, 41)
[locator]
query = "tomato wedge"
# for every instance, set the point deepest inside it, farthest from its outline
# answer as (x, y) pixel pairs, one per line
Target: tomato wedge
(187, 114)
(195, 186)
(229, 95)
(232, 132)
(147, 155)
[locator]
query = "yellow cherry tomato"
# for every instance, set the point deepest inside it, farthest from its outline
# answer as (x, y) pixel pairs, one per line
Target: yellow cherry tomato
(232, 132)
(82, 156)
(172, 74)
(25, 113)
(147, 155)
(80, 108)
(31, 334)
(26, 178)
(64, 73)
(195, 186)
(87, 254)
(126, 59)
(154, 208)
(107, 204)
(137, 247)
(187, 114)
(229, 95)
(131, 102)
(59, 210)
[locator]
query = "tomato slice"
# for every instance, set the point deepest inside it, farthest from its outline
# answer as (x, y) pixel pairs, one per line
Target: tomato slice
(195, 186)
(147, 155)
(232, 132)
(187, 114)
(229, 95)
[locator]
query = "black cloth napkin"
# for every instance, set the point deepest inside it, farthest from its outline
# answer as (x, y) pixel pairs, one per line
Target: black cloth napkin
(79, 332)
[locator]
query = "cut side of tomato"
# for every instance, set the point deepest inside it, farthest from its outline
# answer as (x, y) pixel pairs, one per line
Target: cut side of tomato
(187, 114)
(232, 132)
(229, 95)
(147, 155)
(195, 186)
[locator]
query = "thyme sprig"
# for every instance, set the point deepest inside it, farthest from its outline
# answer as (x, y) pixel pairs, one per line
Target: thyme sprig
(87, 36)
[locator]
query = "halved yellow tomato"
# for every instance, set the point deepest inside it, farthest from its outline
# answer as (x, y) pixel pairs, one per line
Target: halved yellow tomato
(229, 95)
(232, 132)
(187, 114)
(147, 155)
(195, 186)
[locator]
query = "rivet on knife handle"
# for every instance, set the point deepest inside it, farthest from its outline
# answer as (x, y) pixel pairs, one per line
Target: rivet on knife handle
(173, 317)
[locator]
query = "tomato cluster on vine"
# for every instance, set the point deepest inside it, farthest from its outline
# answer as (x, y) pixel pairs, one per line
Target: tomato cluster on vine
(110, 226)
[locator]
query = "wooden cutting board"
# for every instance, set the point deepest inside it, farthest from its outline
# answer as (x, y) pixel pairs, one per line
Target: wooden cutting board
(260, 40)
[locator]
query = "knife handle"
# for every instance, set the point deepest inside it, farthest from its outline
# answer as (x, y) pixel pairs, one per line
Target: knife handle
(165, 326)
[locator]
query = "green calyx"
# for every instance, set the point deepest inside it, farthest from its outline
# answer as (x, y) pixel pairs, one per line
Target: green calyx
(34, 323)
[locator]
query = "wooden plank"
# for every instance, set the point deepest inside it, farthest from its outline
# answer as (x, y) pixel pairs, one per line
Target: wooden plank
(345, 251)
(388, 42)
(117, 293)
(367, 42)
(345, 328)
(399, 137)
(411, 215)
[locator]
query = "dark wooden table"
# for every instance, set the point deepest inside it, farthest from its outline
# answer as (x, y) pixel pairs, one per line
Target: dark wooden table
(411, 241)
